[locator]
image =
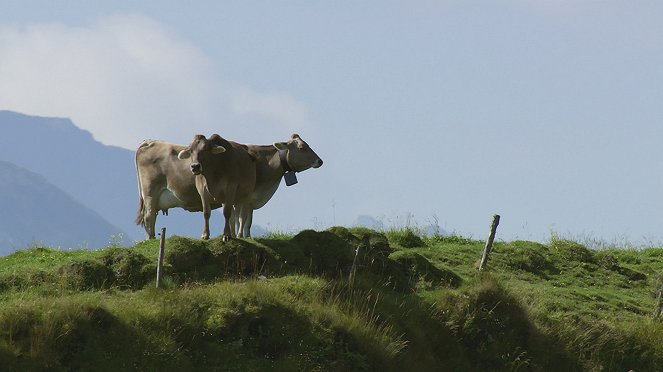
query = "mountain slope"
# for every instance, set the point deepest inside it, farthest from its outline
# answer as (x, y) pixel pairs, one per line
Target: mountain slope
(32, 211)
(99, 176)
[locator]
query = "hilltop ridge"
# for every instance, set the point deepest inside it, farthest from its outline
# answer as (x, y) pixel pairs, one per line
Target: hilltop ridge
(339, 299)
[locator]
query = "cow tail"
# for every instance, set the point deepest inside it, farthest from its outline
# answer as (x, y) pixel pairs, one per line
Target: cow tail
(140, 219)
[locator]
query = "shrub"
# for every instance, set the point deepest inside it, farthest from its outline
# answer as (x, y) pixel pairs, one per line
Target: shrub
(241, 258)
(413, 270)
(531, 257)
(373, 247)
(452, 239)
(497, 331)
(189, 258)
(26, 279)
(130, 269)
(327, 252)
(85, 275)
(406, 238)
(573, 251)
(607, 260)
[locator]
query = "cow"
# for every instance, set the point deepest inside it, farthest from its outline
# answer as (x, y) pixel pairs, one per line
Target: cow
(225, 173)
(166, 182)
(272, 163)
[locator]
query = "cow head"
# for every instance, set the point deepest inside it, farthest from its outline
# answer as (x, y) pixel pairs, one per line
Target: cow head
(299, 154)
(200, 150)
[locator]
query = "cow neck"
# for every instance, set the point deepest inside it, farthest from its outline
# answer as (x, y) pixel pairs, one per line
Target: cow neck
(284, 161)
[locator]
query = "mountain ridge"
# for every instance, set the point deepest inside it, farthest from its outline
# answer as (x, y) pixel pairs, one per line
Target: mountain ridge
(25, 195)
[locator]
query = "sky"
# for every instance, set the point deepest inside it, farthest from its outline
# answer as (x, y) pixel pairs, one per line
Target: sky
(546, 112)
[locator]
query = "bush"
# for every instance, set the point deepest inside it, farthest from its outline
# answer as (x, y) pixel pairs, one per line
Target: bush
(607, 260)
(499, 335)
(241, 258)
(327, 252)
(85, 275)
(573, 251)
(375, 240)
(187, 256)
(406, 238)
(26, 279)
(530, 257)
(413, 270)
(452, 239)
(373, 247)
(130, 269)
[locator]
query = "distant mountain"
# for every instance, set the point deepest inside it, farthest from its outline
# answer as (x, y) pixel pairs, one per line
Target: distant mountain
(33, 211)
(100, 177)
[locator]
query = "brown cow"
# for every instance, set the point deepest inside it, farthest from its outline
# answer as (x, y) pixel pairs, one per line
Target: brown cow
(225, 173)
(272, 163)
(164, 182)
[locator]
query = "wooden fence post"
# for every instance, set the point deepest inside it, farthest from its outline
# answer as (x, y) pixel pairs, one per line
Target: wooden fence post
(659, 303)
(489, 241)
(162, 245)
(353, 269)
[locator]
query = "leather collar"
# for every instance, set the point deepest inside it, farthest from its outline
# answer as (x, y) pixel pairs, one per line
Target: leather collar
(284, 161)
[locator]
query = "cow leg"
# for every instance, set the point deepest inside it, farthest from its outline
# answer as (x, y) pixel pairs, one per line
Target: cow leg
(227, 214)
(207, 212)
(205, 234)
(239, 210)
(150, 217)
(234, 221)
(249, 222)
(245, 221)
(205, 201)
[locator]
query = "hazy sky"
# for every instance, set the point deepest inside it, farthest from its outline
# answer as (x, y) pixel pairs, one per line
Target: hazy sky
(547, 112)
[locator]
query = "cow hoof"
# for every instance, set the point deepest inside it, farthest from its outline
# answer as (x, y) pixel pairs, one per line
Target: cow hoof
(226, 238)
(205, 237)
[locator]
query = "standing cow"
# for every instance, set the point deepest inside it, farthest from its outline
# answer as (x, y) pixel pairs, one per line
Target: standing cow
(164, 182)
(225, 173)
(272, 163)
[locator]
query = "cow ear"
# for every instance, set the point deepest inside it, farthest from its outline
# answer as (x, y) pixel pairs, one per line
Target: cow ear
(184, 154)
(281, 145)
(218, 149)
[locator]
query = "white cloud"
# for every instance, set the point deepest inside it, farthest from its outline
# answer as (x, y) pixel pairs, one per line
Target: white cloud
(270, 105)
(125, 78)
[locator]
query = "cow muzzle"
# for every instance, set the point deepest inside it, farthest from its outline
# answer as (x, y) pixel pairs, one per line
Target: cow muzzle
(196, 168)
(317, 163)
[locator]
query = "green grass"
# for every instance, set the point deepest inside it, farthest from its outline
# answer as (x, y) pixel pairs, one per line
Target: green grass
(341, 299)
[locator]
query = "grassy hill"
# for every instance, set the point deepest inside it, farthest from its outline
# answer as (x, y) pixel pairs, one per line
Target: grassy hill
(311, 302)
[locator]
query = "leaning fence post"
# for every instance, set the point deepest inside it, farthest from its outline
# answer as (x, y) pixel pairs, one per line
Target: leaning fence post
(659, 302)
(489, 241)
(353, 269)
(162, 245)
